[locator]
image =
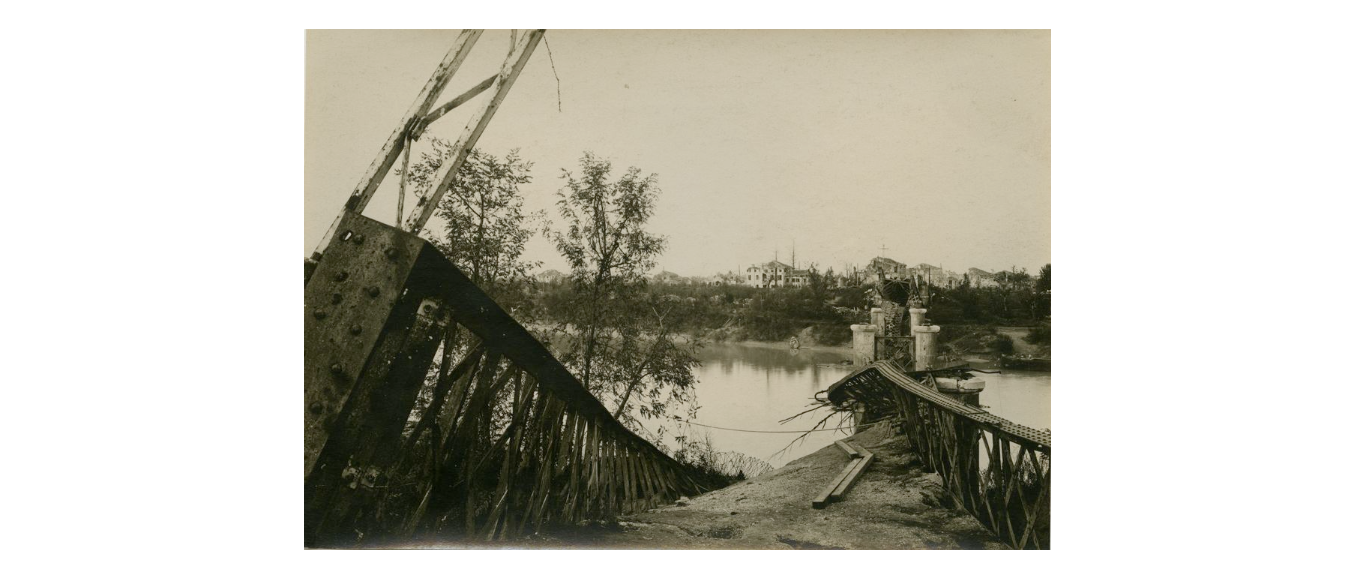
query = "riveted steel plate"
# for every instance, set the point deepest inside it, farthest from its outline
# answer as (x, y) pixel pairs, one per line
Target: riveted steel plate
(348, 302)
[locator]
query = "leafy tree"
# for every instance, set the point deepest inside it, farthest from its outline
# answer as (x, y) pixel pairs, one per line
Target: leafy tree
(818, 282)
(1043, 302)
(1013, 278)
(623, 337)
(484, 230)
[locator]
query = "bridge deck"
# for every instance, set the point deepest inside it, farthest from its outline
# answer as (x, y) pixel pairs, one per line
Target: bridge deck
(998, 470)
(894, 373)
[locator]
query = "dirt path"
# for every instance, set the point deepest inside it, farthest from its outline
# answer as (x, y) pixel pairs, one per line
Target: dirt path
(894, 505)
(1017, 335)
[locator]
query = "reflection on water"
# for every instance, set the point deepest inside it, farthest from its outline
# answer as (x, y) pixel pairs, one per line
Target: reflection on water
(753, 386)
(1020, 396)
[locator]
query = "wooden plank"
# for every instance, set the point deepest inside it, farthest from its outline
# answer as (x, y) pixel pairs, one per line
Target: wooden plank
(848, 448)
(851, 477)
(820, 502)
(444, 381)
(645, 482)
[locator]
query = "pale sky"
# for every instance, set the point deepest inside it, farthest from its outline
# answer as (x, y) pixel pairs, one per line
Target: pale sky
(934, 143)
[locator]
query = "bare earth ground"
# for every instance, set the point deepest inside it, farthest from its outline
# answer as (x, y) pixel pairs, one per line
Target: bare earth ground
(893, 505)
(1017, 335)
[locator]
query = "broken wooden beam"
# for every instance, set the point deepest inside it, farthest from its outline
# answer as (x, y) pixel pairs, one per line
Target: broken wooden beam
(848, 448)
(860, 459)
(821, 501)
(851, 477)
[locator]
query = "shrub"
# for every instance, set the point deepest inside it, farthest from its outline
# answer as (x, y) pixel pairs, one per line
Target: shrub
(1039, 335)
(832, 333)
(1003, 344)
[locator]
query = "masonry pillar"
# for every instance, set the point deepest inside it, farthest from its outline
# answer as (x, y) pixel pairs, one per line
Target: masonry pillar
(862, 343)
(923, 339)
(877, 317)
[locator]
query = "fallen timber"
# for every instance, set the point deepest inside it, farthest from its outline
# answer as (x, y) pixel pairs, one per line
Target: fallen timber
(997, 470)
(860, 459)
(509, 441)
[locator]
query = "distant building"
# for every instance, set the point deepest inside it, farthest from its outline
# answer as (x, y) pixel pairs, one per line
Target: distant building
(551, 276)
(729, 278)
(936, 276)
(980, 278)
(667, 277)
(890, 268)
(775, 274)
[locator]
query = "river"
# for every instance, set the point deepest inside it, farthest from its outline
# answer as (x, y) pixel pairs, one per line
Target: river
(752, 386)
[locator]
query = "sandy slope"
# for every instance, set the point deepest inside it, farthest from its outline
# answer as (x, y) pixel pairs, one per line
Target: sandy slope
(893, 505)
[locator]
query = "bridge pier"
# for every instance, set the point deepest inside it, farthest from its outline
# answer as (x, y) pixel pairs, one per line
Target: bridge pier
(862, 343)
(924, 340)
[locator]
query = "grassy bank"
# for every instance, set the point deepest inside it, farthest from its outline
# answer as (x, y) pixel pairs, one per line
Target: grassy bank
(814, 315)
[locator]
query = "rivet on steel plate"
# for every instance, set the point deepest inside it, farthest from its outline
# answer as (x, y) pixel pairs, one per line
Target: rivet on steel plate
(336, 298)
(392, 253)
(336, 369)
(359, 239)
(373, 291)
(321, 314)
(341, 276)
(316, 407)
(355, 330)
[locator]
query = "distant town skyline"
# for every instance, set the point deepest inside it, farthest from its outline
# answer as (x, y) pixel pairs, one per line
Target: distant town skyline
(934, 144)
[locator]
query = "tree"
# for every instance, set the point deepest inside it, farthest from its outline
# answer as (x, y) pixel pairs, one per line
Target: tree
(484, 231)
(1013, 278)
(818, 282)
(1042, 287)
(623, 338)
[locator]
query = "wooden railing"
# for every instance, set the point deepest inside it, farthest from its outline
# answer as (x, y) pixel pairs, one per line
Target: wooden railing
(997, 470)
(505, 441)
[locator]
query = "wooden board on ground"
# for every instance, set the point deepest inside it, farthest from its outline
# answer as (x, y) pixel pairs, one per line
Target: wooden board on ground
(848, 448)
(820, 502)
(851, 477)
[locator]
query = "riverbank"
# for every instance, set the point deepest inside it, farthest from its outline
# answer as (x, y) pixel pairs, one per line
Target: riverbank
(894, 505)
(843, 350)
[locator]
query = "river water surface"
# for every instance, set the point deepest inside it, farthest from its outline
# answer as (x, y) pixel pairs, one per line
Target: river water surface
(751, 386)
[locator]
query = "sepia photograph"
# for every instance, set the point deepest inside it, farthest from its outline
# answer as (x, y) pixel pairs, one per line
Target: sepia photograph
(677, 289)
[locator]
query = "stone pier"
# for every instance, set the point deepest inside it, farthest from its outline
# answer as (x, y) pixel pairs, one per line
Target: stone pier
(924, 339)
(862, 343)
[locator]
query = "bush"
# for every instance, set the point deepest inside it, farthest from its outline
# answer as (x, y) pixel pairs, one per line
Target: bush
(1002, 344)
(832, 333)
(1040, 335)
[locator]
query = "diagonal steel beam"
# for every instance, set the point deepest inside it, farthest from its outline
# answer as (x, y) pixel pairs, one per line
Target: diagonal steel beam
(512, 66)
(395, 144)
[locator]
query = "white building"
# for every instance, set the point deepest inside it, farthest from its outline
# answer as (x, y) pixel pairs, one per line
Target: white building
(775, 274)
